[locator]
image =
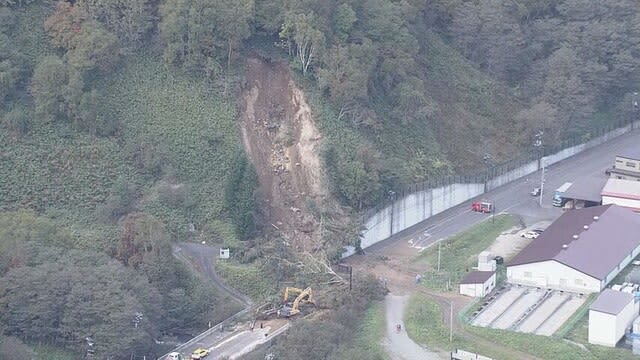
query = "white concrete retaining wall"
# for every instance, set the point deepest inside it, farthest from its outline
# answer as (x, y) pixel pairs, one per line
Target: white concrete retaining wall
(524, 170)
(413, 208)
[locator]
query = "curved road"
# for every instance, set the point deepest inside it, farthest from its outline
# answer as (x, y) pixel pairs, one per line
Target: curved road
(200, 258)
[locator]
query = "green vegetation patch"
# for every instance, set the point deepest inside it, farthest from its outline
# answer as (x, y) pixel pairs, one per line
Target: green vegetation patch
(51, 170)
(424, 324)
(368, 341)
(550, 347)
(177, 130)
(248, 279)
(421, 311)
(459, 253)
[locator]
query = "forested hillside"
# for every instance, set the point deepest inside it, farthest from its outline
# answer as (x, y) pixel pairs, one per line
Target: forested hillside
(118, 133)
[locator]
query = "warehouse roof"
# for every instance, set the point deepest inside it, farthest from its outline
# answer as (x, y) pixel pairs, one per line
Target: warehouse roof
(633, 154)
(477, 277)
(611, 302)
(627, 189)
(610, 231)
(587, 188)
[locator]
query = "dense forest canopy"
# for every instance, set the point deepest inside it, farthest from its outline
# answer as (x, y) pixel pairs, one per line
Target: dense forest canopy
(118, 135)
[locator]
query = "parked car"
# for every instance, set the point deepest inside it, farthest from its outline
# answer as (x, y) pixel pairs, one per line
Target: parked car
(199, 354)
(535, 191)
(530, 234)
(539, 231)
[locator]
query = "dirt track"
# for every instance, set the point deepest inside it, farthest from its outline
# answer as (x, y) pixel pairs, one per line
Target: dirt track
(398, 344)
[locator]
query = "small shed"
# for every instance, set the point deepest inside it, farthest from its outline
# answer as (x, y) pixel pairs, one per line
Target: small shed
(478, 283)
(609, 317)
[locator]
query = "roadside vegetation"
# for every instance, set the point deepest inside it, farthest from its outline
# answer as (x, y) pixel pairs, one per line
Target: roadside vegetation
(459, 253)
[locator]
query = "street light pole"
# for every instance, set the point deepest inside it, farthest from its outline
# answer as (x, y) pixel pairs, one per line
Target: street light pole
(487, 163)
(539, 143)
(634, 108)
(392, 197)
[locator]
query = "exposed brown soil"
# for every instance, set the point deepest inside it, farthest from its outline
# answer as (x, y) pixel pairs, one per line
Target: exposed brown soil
(283, 143)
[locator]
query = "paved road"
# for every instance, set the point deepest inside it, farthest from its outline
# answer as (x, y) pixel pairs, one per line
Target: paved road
(223, 342)
(398, 344)
(514, 197)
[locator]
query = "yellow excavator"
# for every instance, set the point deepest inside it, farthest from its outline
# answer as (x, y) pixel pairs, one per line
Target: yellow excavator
(289, 309)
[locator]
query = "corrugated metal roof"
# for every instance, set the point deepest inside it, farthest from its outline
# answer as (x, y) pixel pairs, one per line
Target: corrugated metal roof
(633, 154)
(587, 188)
(628, 189)
(611, 302)
(597, 250)
(477, 277)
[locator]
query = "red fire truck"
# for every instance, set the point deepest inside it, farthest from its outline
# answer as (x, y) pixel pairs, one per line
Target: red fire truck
(482, 206)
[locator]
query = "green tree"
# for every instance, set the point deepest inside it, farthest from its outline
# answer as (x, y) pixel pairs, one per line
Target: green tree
(232, 25)
(87, 42)
(130, 20)
(47, 87)
(345, 73)
(344, 19)
(305, 40)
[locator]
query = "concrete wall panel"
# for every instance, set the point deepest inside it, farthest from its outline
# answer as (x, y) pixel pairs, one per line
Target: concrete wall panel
(378, 228)
(512, 175)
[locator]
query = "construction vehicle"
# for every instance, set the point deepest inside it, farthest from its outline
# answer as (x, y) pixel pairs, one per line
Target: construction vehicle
(557, 195)
(289, 309)
(266, 311)
(482, 206)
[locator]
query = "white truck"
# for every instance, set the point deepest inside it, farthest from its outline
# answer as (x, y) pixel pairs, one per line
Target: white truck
(557, 195)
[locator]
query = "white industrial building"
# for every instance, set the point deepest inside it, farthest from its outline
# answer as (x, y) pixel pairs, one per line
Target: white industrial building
(581, 252)
(624, 193)
(627, 166)
(478, 283)
(609, 317)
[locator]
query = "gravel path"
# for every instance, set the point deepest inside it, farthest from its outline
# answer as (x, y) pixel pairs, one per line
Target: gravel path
(399, 345)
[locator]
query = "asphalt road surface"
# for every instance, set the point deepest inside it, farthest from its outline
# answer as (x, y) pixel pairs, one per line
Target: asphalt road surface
(224, 343)
(515, 197)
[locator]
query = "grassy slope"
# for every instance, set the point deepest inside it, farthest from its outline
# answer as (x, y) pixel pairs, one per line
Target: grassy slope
(459, 253)
(192, 131)
(367, 343)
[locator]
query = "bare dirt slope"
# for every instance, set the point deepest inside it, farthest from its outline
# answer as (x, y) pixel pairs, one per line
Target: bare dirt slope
(283, 143)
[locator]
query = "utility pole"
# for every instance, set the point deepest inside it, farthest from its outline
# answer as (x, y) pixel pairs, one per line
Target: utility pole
(439, 246)
(539, 143)
(634, 108)
(543, 170)
(451, 322)
(392, 197)
(486, 158)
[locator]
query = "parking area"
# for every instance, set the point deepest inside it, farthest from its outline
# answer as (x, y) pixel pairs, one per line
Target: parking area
(528, 309)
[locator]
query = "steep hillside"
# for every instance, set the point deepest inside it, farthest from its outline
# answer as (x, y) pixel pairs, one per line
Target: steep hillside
(281, 139)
